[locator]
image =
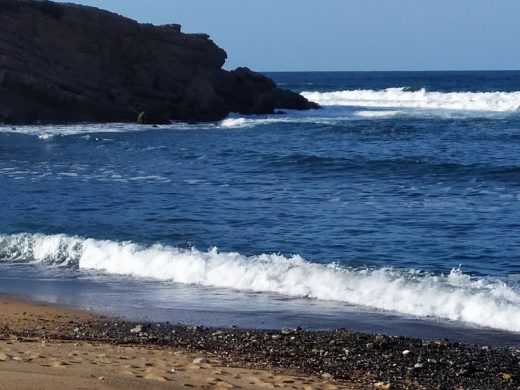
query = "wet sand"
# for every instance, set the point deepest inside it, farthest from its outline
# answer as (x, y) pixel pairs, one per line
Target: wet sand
(48, 347)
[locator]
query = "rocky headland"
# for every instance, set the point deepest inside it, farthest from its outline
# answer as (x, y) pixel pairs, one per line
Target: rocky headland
(63, 63)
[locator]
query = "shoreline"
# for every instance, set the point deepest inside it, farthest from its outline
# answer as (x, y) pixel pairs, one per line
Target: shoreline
(191, 306)
(41, 346)
(336, 358)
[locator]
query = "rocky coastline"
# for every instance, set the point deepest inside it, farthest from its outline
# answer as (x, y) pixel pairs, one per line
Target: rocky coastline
(64, 63)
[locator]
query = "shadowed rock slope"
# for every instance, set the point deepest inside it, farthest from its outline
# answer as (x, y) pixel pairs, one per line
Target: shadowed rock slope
(70, 63)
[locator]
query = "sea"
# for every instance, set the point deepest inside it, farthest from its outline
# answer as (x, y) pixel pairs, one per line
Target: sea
(395, 209)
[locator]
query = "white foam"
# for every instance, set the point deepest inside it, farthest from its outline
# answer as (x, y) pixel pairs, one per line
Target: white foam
(292, 118)
(421, 99)
(47, 132)
(456, 296)
(45, 136)
(377, 114)
(255, 121)
(234, 122)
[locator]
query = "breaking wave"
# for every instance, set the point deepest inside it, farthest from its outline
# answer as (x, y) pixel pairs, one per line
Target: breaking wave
(455, 296)
(420, 99)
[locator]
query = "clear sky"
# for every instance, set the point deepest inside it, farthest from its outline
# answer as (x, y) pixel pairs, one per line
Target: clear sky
(270, 35)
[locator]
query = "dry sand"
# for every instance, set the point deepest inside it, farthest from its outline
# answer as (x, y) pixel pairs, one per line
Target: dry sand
(33, 363)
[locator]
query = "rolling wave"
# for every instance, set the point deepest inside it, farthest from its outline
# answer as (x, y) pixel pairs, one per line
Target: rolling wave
(455, 296)
(420, 99)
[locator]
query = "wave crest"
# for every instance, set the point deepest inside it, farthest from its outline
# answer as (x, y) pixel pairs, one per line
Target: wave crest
(421, 99)
(455, 296)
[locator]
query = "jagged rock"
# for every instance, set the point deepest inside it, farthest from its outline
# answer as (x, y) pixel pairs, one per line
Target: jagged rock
(71, 63)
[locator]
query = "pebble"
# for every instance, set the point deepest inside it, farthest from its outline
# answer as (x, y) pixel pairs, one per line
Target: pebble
(442, 342)
(338, 354)
(137, 329)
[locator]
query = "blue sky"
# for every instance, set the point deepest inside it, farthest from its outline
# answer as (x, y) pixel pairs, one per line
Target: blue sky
(271, 35)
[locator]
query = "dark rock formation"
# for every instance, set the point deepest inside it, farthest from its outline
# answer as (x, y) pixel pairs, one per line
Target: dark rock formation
(70, 63)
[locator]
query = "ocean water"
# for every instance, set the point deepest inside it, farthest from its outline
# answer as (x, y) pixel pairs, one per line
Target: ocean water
(395, 208)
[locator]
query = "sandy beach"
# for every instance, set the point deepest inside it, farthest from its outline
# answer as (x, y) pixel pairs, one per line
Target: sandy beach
(32, 356)
(48, 347)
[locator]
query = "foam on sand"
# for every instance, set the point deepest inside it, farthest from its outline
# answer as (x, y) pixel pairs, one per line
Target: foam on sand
(455, 296)
(420, 99)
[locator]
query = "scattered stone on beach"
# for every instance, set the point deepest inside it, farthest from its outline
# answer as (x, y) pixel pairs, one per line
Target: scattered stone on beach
(438, 364)
(3, 357)
(137, 329)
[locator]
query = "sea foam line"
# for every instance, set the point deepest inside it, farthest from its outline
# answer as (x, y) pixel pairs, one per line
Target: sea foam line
(420, 99)
(455, 296)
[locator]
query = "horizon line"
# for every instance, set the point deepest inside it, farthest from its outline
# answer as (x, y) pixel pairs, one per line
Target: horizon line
(387, 71)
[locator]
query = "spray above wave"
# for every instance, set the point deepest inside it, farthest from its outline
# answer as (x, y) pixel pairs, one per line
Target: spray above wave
(421, 99)
(455, 296)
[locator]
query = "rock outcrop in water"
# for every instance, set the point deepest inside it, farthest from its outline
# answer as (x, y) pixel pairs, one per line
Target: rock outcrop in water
(70, 63)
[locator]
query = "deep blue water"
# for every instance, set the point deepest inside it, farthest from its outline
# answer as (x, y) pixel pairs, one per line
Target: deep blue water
(425, 189)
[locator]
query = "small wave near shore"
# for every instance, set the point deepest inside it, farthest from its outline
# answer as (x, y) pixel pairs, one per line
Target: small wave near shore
(455, 296)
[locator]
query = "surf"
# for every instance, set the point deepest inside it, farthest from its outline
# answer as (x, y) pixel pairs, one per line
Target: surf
(419, 99)
(455, 296)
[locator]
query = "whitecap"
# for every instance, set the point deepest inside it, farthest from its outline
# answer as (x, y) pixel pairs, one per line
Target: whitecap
(376, 114)
(233, 122)
(420, 99)
(456, 296)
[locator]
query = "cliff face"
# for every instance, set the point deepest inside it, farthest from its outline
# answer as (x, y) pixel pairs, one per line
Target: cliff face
(70, 63)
